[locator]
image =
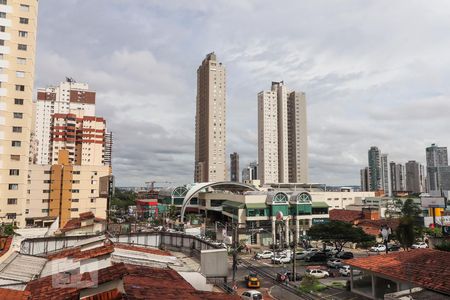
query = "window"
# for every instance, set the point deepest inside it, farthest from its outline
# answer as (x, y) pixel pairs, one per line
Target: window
(2, 42)
(20, 74)
(75, 200)
(23, 20)
(22, 47)
(27, 211)
(23, 33)
(11, 216)
(46, 191)
(16, 143)
(18, 115)
(20, 88)
(47, 181)
(76, 172)
(45, 201)
(14, 172)
(17, 129)
(15, 157)
(4, 2)
(2, 28)
(44, 210)
(21, 61)
(75, 191)
(18, 101)
(12, 201)
(74, 209)
(24, 7)
(2, 15)
(47, 172)
(13, 186)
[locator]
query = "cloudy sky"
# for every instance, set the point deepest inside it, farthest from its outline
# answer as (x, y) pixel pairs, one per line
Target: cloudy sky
(374, 72)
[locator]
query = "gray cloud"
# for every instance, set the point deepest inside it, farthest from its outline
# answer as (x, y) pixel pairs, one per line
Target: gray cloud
(375, 73)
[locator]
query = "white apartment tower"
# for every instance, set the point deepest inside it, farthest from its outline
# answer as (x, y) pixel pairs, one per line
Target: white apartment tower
(210, 121)
(18, 23)
(68, 97)
(282, 135)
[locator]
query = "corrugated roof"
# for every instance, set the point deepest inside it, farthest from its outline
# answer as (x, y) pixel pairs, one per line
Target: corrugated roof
(19, 269)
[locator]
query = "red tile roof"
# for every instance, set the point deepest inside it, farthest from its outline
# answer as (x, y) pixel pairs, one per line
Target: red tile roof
(14, 294)
(142, 249)
(345, 215)
(108, 295)
(427, 268)
(77, 254)
(372, 227)
(87, 215)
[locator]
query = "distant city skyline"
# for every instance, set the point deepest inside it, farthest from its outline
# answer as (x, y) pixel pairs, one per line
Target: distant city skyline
(380, 91)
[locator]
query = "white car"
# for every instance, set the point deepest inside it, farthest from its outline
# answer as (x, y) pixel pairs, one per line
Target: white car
(317, 273)
(419, 245)
(334, 263)
(378, 248)
(252, 295)
(345, 271)
(281, 259)
(264, 254)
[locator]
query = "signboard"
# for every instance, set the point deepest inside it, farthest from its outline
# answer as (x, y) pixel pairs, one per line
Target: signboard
(316, 221)
(433, 202)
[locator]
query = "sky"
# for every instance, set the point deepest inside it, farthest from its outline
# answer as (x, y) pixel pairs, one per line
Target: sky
(375, 73)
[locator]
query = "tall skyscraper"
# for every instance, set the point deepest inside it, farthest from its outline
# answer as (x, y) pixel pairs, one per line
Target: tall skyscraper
(375, 181)
(250, 172)
(234, 167)
(364, 176)
(18, 23)
(68, 97)
(438, 170)
(282, 135)
(385, 180)
(413, 183)
(398, 177)
(210, 121)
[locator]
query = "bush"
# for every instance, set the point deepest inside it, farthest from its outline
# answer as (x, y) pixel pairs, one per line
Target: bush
(444, 246)
(366, 245)
(311, 284)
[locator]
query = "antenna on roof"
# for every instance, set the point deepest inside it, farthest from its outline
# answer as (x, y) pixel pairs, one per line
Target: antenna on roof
(70, 79)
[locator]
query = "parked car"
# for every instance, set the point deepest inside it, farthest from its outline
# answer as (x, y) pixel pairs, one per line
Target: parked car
(393, 247)
(284, 275)
(301, 254)
(334, 263)
(317, 273)
(264, 254)
(344, 255)
(281, 259)
(378, 248)
(252, 280)
(345, 271)
(419, 245)
(252, 295)
(316, 256)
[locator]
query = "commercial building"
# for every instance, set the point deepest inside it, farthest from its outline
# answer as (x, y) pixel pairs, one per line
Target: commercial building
(68, 97)
(18, 24)
(234, 167)
(438, 170)
(398, 177)
(282, 135)
(210, 121)
(64, 190)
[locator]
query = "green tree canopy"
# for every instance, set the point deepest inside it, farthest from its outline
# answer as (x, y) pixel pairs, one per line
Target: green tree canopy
(339, 233)
(408, 229)
(123, 199)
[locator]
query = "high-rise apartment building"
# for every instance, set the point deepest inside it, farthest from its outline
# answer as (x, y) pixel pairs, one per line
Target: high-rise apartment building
(364, 177)
(250, 172)
(413, 178)
(68, 97)
(210, 121)
(375, 176)
(282, 135)
(438, 170)
(398, 177)
(18, 24)
(234, 167)
(385, 177)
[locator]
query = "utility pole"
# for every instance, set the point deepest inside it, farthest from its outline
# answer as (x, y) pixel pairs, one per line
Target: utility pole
(294, 259)
(235, 245)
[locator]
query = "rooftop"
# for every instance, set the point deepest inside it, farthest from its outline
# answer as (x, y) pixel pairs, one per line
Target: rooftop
(345, 215)
(427, 268)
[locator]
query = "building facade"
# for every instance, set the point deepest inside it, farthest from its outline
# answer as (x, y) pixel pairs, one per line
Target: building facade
(375, 176)
(438, 169)
(68, 97)
(210, 121)
(250, 172)
(18, 25)
(385, 177)
(398, 177)
(413, 178)
(282, 135)
(64, 190)
(364, 177)
(234, 167)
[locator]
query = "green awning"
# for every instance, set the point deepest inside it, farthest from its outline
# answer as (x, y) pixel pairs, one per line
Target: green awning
(233, 204)
(319, 205)
(256, 205)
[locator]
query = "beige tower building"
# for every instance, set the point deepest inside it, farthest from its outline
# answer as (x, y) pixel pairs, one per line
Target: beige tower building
(282, 135)
(210, 121)
(18, 23)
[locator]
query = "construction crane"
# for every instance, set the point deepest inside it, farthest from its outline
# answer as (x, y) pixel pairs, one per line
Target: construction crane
(151, 184)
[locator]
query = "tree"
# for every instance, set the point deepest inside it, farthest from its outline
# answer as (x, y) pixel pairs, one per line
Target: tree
(393, 208)
(339, 233)
(122, 199)
(408, 229)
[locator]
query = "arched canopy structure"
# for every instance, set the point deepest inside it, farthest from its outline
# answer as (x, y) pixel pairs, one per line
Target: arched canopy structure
(234, 187)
